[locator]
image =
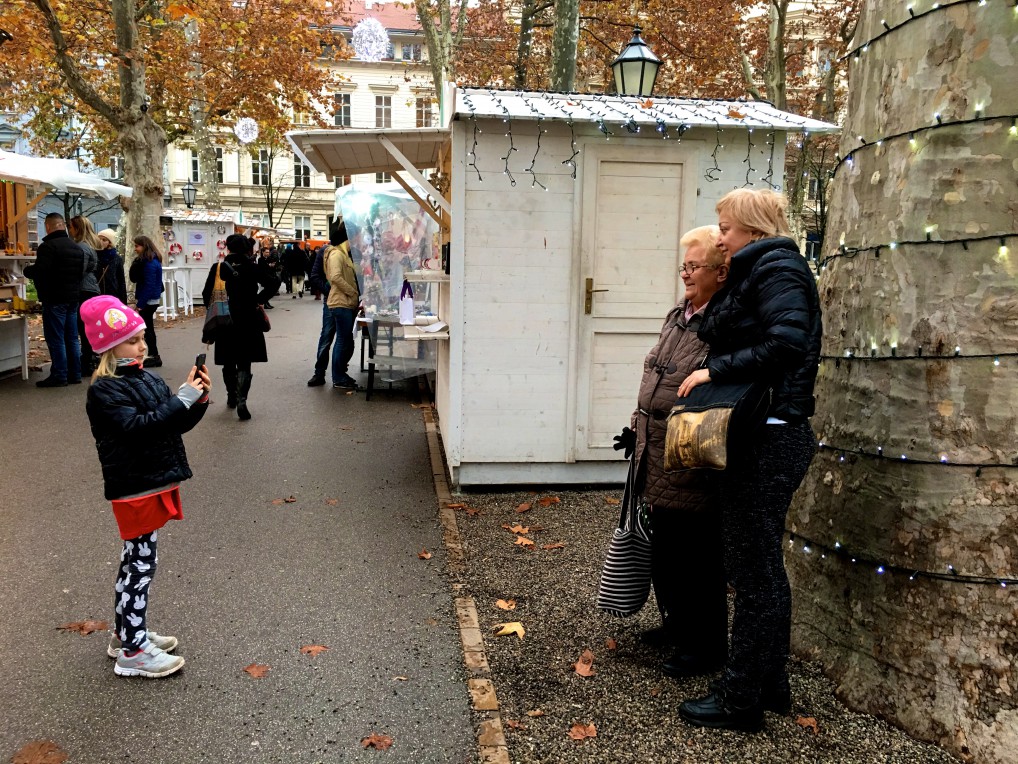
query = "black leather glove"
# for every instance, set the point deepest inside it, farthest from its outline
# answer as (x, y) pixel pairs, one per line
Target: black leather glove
(625, 442)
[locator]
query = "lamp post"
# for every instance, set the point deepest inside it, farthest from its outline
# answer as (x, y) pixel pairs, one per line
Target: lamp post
(636, 68)
(189, 192)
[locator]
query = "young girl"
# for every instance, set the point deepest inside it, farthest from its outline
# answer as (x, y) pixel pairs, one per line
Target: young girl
(137, 423)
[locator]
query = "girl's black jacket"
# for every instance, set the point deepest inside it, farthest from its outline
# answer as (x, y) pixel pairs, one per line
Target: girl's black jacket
(137, 423)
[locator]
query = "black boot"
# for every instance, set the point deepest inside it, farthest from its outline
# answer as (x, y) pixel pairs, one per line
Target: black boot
(721, 712)
(230, 383)
(243, 388)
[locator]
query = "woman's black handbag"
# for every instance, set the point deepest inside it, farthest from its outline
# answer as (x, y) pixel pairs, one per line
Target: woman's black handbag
(709, 427)
(625, 577)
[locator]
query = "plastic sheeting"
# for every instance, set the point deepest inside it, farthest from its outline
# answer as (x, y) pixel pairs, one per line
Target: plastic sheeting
(60, 174)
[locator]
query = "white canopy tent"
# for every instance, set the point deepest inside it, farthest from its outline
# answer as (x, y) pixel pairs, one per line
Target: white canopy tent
(58, 174)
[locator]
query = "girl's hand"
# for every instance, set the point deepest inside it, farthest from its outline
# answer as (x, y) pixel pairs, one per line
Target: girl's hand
(194, 380)
(206, 380)
(698, 377)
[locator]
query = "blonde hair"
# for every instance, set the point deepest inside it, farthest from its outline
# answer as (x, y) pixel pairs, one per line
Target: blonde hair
(107, 366)
(82, 231)
(707, 237)
(761, 212)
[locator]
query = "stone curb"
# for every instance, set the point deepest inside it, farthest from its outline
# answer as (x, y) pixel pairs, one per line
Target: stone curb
(491, 743)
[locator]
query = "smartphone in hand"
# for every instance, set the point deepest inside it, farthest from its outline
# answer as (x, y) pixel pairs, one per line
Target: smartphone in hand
(199, 361)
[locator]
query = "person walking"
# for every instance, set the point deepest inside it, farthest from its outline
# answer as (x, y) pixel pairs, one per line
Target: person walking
(684, 513)
(241, 343)
(294, 263)
(343, 302)
(147, 274)
(765, 325)
(111, 267)
(137, 424)
(320, 285)
(57, 273)
(81, 230)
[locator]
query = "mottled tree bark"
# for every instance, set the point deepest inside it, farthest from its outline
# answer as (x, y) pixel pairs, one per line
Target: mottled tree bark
(563, 46)
(937, 658)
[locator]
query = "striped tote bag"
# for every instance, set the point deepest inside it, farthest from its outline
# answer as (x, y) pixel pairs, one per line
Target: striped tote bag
(625, 577)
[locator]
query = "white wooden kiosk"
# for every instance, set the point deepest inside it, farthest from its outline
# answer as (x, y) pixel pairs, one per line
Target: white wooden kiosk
(566, 214)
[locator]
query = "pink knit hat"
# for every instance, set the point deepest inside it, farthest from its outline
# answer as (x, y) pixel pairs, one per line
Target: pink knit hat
(108, 322)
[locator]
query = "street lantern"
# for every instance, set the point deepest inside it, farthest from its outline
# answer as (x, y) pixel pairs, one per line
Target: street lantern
(636, 68)
(189, 192)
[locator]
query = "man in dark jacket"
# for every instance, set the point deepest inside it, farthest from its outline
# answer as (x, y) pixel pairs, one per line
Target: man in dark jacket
(57, 273)
(337, 235)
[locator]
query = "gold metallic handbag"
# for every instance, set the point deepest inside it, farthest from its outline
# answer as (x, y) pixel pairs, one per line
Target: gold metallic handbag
(707, 428)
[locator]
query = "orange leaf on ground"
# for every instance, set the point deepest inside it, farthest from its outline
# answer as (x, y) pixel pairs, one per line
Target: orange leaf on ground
(613, 501)
(519, 529)
(40, 752)
(379, 742)
(523, 508)
(313, 650)
(585, 665)
(808, 722)
(86, 627)
(278, 502)
(290, 499)
(332, 502)
(505, 604)
(535, 713)
(471, 511)
(556, 545)
(506, 526)
(257, 670)
(582, 731)
(424, 554)
(524, 541)
(546, 501)
(655, 692)
(456, 506)
(611, 644)
(515, 725)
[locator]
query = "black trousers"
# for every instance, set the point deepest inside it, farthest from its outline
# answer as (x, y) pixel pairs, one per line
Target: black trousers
(754, 502)
(148, 313)
(688, 572)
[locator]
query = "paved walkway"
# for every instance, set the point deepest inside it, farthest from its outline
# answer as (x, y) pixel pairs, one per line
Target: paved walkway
(241, 580)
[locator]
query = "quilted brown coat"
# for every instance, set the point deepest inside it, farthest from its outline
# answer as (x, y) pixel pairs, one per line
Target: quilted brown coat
(678, 352)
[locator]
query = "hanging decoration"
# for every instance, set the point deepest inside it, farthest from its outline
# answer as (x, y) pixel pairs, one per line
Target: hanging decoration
(197, 255)
(246, 130)
(168, 235)
(176, 248)
(221, 245)
(370, 40)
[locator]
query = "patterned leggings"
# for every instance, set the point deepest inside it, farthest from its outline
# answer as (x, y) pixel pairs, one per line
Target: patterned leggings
(137, 568)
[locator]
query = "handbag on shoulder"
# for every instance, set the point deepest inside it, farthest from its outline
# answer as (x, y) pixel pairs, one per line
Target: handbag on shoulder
(625, 577)
(218, 314)
(708, 428)
(263, 317)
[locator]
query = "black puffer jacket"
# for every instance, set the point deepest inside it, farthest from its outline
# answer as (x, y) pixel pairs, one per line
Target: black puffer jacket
(58, 269)
(137, 423)
(766, 325)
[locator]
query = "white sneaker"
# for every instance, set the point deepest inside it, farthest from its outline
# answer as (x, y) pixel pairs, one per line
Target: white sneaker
(150, 662)
(166, 644)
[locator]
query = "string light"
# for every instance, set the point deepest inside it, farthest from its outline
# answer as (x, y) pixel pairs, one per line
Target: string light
(850, 355)
(891, 28)
(851, 252)
(883, 567)
(940, 461)
(534, 181)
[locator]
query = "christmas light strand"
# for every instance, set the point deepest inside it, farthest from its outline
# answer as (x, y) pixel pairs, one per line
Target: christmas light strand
(942, 461)
(850, 355)
(851, 252)
(858, 50)
(950, 574)
(533, 176)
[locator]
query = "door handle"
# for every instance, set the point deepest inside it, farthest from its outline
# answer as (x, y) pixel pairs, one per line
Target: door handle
(588, 299)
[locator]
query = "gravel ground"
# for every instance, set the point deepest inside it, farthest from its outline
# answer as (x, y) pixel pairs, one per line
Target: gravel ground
(633, 706)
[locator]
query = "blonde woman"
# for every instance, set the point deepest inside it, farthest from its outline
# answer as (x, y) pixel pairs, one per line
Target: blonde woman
(81, 230)
(765, 325)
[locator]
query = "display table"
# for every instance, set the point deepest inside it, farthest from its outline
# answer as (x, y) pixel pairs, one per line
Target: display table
(404, 351)
(177, 293)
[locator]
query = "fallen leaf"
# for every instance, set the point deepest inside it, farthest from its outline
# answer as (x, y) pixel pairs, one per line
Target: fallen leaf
(332, 502)
(505, 604)
(290, 499)
(808, 722)
(535, 713)
(257, 670)
(519, 529)
(379, 742)
(556, 545)
(649, 103)
(582, 731)
(40, 752)
(86, 627)
(401, 678)
(506, 526)
(735, 114)
(585, 665)
(546, 501)
(524, 541)
(424, 554)
(456, 506)
(313, 650)
(611, 644)
(471, 511)
(612, 500)
(505, 629)
(523, 508)
(655, 692)
(515, 725)
(431, 622)
(278, 502)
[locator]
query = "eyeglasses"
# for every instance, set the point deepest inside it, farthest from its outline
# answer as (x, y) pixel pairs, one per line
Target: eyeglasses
(691, 269)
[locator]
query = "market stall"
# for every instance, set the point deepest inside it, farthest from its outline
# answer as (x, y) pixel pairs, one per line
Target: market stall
(565, 213)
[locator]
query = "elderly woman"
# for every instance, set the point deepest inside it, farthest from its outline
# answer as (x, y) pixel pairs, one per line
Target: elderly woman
(765, 325)
(686, 527)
